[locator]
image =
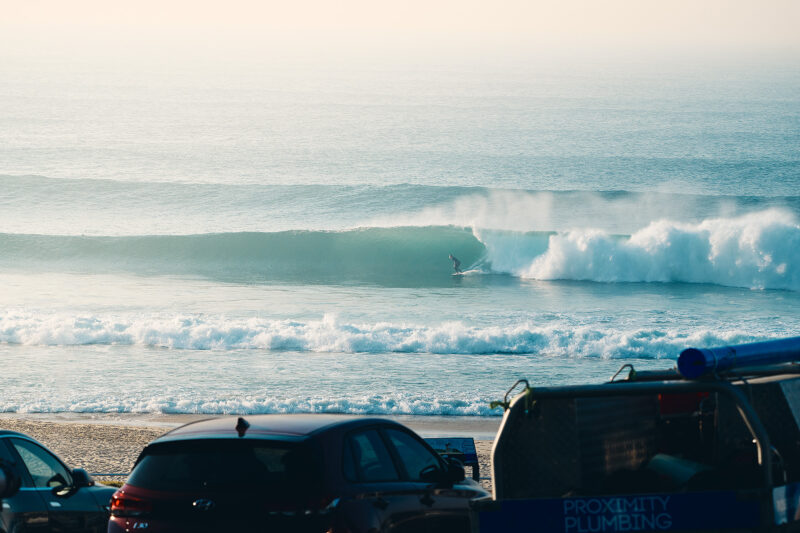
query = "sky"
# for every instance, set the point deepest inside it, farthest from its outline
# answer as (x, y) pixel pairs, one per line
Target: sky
(87, 28)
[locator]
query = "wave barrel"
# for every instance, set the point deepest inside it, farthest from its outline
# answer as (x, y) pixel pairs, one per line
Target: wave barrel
(697, 362)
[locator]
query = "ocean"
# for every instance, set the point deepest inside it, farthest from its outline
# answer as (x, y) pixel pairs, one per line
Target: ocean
(275, 240)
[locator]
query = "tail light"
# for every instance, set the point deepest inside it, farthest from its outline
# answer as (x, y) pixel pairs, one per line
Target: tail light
(126, 505)
(683, 403)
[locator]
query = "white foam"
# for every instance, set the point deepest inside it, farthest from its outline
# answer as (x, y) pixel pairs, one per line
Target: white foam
(384, 404)
(202, 332)
(759, 250)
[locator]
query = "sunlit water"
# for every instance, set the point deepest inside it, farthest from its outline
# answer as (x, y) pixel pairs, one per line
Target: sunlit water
(182, 243)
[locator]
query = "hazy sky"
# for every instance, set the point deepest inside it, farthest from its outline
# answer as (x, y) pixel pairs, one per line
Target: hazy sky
(526, 26)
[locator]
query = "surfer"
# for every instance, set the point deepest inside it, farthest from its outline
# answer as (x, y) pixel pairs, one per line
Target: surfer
(456, 263)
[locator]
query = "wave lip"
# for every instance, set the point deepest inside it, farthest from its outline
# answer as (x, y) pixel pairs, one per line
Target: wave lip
(330, 335)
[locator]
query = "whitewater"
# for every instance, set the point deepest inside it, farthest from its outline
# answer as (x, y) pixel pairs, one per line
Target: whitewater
(291, 255)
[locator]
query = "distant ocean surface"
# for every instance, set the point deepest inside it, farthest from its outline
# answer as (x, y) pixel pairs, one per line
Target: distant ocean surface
(192, 241)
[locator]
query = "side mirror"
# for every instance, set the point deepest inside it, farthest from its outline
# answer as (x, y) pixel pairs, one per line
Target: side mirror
(81, 478)
(453, 473)
(455, 469)
(434, 474)
(9, 482)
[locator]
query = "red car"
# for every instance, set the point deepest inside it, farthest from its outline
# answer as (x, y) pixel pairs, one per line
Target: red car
(324, 473)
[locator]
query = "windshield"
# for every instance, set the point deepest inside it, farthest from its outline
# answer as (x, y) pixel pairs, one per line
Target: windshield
(287, 467)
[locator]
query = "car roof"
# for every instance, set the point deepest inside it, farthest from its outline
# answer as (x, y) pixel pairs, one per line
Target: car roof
(283, 427)
(9, 433)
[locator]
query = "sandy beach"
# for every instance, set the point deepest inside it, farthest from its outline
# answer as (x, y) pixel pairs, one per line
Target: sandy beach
(110, 444)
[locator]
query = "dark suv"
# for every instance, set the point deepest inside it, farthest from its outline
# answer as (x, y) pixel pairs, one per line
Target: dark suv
(293, 473)
(51, 497)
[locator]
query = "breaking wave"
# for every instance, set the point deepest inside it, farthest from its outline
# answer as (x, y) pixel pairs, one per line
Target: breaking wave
(760, 250)
(199, 332)
(381, 404)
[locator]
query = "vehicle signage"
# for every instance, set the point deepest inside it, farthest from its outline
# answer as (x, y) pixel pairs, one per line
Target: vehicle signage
(623, 513)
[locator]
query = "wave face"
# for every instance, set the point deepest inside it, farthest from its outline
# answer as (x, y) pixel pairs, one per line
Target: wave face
(395, 256)
(194, 332)
(760, 250)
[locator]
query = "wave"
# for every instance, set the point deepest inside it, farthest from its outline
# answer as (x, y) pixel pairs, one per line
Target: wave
(40, 205)
(199, 332)
(760, 250)
(382, 404)
(394, 256)
(45, 186)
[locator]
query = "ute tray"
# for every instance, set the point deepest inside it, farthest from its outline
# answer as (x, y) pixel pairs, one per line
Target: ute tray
(653, 452)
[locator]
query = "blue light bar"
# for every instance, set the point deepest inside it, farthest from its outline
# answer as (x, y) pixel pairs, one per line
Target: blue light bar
(697, 362)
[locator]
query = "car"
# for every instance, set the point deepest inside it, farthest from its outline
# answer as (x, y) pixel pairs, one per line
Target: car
(51, 496)
(708, 445)
(327, 473)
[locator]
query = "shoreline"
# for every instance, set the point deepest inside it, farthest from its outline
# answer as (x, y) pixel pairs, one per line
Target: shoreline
(479, 428)
(110, 443)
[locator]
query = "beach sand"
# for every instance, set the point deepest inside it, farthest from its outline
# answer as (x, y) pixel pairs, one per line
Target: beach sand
(110, 444)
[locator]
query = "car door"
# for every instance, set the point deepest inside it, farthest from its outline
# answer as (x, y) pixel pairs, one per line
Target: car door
(443, 507)
(26, 510)
(379, 495)
(69, 509)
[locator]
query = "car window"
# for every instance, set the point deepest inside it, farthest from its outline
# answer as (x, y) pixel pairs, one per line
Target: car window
(9, 458)
(45, 470)
(413, 454)
(273, 467)
(5, 452)
(371, 458)
(348, 466)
